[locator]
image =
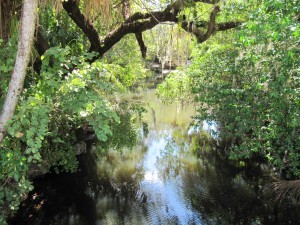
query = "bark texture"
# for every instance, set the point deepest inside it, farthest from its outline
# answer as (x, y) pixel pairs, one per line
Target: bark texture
(27, 29)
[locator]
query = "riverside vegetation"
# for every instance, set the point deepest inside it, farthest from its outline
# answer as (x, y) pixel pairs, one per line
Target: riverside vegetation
(238, 61)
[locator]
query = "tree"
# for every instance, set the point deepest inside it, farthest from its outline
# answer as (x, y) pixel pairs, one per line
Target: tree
(28, 21)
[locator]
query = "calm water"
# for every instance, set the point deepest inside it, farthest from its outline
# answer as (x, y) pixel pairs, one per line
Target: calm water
(159, 182)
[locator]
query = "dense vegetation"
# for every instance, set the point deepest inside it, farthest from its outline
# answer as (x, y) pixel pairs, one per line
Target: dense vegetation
(246, 79)
(50, 113)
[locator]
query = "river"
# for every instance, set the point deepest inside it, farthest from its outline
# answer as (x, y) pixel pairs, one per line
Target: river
(163, 180)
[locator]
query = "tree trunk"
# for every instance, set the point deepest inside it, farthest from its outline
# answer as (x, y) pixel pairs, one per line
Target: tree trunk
(28, 21)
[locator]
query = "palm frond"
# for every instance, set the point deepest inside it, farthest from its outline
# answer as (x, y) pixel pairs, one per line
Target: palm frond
(285, 191)
(93, 8)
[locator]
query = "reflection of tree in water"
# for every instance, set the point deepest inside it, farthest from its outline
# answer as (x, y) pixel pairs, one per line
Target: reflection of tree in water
(122, 201)
(221, 193)
(121, 171)
(169, 164)
(225, 195)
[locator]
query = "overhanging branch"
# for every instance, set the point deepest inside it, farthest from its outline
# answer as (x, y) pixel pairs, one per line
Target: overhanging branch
(143, 48)
(71, 7)
(140, 22)
(201, 35)
(126, 11)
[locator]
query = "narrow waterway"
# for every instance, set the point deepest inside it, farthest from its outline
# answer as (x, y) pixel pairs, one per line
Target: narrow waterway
(171, 177)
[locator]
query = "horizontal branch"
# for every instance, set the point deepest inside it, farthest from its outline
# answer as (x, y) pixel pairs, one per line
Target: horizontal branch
(177, 6)
(227, 25)
(134, 27)
(139, 22)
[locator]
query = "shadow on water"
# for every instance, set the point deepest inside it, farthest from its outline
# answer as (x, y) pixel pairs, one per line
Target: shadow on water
(171, 178)
(61, 199)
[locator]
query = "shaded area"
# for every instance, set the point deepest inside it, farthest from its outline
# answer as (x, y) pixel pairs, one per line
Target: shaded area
(227, 195)
(62, 198)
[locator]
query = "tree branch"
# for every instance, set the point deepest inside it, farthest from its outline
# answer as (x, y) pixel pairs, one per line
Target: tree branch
(71, 7)
(42, 46)
(227, 25)
(126, 11)
(195, 29)
(211, 25)
(134, 27)
(143, 48)
(139, 22)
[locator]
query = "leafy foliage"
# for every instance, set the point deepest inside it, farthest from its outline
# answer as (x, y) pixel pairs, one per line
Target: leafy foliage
(176, 87)
(125, 71)
(14, 182)
(125, 132)
(58, 101)
(7, 52)
(252, 86)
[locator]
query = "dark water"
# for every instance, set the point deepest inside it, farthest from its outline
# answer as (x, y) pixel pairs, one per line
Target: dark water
(159, 182)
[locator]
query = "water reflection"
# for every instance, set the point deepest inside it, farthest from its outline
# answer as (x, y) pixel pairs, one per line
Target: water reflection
(161, 184)
(178, 187)
(173, 177)
(211, 127)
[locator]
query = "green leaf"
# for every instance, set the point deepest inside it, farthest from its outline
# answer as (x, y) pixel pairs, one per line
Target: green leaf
(37, 156)
(16, 177)
(30, 158)
(28, 150)
(78, 82)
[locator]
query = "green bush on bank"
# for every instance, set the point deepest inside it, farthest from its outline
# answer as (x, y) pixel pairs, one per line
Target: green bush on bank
(251, 86)
(67, 94)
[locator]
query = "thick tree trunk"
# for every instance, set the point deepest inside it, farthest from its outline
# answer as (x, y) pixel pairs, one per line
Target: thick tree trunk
(28, 21)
